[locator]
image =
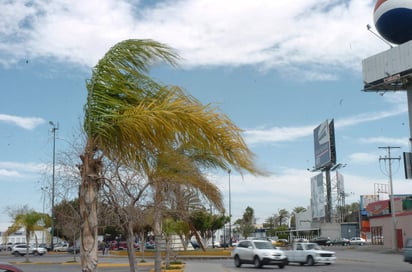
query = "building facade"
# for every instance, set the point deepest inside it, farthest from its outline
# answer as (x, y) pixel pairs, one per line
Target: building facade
(383, 231)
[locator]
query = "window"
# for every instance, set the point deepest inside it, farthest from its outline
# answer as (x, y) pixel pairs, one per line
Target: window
(376, 235)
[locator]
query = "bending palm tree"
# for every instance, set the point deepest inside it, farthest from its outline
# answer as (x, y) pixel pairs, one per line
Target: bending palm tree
(130, 117)
(30, 221)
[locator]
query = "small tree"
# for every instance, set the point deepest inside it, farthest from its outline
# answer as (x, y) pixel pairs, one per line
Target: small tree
(283, 217)
(246, 225)
(30, 221)
(68, 220)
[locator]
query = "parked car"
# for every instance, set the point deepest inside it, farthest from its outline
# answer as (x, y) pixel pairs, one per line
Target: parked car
(357, 241)
(21, 250)
(149, 245)
(340, 242)
(61, 247)
(215, 244)
(258, 253)
(407, 251)
(11, 245)
(121, 245)
(73, 249)
(194, 244)
(301, 240)
(9, 268)
(322, 241)
(44, 245)
(281, 243)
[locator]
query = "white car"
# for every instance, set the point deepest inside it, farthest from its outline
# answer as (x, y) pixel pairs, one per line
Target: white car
(258, 253)
(20, 250)
(357, 241)
(310, 254)
(61, 247)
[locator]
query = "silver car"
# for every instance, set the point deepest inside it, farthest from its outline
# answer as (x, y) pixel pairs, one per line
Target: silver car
(357, 241)
(258, 253)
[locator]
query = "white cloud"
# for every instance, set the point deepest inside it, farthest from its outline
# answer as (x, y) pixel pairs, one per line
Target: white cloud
(363, 158)
(28, 123)
(286, 134)
(386, 141)
(277, 134)
(8, 173)
(367, 117)
(18, 170)
(321, 35)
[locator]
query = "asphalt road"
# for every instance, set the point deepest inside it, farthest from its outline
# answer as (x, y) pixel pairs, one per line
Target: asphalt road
(349, 259)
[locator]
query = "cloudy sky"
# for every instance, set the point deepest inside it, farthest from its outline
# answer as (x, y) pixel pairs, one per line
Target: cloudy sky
(277, 68)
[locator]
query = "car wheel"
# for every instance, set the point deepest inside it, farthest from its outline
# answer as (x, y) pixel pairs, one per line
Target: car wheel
(257, 262)
(36, 253)
(16, 254)
(281, 266)
(238, 263)
(310, 261)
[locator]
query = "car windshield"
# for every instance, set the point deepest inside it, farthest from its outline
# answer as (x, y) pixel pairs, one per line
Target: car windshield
(263, 245)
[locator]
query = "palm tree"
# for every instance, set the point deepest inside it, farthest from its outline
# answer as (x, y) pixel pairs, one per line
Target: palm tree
(173, 170)
(283, 217)
(295, 211)
(130, 117)
(30, 221)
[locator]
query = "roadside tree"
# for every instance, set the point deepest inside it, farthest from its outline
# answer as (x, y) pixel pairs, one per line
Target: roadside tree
(130, 117)
(245, 225)
(30, 221)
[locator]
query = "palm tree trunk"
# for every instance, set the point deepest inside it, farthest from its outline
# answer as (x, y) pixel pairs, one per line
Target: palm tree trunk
(157, 228)
(90, 172)
(27, 245)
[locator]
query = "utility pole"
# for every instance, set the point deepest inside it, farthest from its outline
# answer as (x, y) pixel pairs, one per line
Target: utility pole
(391, 196)
(54, 128)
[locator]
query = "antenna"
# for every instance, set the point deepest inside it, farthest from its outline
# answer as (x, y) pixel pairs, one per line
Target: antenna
(379, 37)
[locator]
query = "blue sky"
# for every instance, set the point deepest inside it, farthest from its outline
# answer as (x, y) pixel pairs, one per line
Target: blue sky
(276, 68)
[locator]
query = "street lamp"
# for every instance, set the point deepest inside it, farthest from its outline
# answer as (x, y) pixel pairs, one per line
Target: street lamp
(54, 128)
(230, 213)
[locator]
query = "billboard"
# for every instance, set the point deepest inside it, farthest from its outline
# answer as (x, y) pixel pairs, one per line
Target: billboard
(388, 70)
(317, 196)
(324, 141)
(407, 164)
(340, 184)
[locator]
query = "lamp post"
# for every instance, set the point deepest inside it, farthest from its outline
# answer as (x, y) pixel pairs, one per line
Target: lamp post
(230, 212)
(54, 128)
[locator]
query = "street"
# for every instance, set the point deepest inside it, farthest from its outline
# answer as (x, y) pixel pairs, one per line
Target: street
(349, 259)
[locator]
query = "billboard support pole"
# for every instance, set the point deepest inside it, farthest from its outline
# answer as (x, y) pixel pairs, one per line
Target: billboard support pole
(328, 196)
(409, 96)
